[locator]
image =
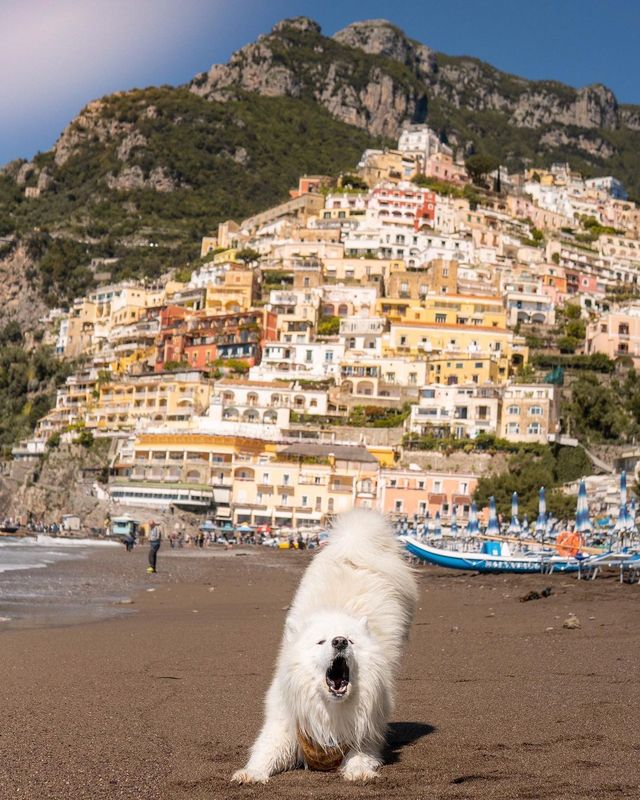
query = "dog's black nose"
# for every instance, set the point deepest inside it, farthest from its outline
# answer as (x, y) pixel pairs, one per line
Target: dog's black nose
(340, 643)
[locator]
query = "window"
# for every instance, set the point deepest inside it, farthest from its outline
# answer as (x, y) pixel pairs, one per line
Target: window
(422, 508)
(328, 356)
(305, 500)
(284, 499)
(534, 428)
(308, 356)
(265, 478)
(463, 487)
(513, 410)
(318, 504)
(398, 505)
(393, 483)
(437, 487)
(535, 411)
(441, 318)
(285, 480)
(317, 480)
(513, 427)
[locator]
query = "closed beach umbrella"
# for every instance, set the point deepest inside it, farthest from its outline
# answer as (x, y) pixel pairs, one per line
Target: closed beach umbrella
(583, 523)
(493, 528)
(514, 525)
(525, 525)
(437, 528)
(454, 521)
(541, 522)
(624, 518)
(632, 516)
(472, 524)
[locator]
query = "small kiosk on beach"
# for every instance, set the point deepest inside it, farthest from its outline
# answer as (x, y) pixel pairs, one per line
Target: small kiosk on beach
(124, 527)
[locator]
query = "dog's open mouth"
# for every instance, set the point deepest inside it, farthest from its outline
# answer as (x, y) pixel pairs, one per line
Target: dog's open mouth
(338, 676)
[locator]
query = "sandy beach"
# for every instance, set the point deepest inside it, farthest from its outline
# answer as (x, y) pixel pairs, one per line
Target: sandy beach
(496, 699)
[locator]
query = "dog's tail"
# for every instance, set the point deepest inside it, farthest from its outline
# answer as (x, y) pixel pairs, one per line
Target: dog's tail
(364, 538)
(362, 532)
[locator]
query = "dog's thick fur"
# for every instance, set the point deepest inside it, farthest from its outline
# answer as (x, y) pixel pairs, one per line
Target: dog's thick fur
(354, 606)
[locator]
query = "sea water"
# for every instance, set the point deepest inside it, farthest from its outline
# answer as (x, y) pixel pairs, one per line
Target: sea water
(33, 596)
(37, 552)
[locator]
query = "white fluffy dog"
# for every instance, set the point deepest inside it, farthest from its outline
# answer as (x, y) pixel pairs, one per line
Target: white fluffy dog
(332, 691)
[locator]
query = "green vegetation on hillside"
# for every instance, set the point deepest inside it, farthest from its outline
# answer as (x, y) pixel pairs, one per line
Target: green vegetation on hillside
(226, 160)
(28, 380)
(526, 472)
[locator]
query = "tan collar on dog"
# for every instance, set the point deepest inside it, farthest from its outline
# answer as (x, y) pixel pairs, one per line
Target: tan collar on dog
(320, 758)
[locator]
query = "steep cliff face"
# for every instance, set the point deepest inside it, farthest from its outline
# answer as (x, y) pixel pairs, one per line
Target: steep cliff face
(371, 75)
(20, 298)
(374, 84)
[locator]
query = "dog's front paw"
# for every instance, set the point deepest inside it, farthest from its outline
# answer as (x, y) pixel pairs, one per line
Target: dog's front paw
(249, 776)
(359, 768)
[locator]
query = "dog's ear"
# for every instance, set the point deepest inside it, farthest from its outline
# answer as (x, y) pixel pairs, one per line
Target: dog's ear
(364, 622)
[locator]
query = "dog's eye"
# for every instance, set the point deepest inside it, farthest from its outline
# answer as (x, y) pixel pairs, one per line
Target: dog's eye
(322, 641)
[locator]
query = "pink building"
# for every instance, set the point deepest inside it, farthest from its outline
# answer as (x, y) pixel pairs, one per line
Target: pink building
(408, 491)
(442, 167)
(616, 334)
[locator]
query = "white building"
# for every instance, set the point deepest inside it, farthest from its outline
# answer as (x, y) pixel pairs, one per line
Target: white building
(463, 411)
(421, 142)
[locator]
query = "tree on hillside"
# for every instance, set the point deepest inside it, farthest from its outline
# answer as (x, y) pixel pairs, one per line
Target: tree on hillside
(479, 166)
(247, 255)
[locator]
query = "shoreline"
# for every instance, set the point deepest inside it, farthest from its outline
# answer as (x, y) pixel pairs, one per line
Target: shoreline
(163, 703)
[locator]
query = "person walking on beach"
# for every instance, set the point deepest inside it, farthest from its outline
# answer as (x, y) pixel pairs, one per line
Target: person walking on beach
(155, 539)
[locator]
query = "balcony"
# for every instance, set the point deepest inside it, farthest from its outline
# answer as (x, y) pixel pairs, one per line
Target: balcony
(341, 488)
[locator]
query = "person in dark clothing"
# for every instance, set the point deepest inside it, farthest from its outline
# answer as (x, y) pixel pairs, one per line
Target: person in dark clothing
(155, 539)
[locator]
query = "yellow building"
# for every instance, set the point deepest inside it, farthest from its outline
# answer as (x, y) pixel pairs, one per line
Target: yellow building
(148, 399)
(73, 399)
(247, 480)
(450, 309)
(233, 290)
(462, 350)
(192, 470)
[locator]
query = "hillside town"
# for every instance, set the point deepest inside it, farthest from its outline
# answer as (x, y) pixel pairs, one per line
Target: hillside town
(317, 348)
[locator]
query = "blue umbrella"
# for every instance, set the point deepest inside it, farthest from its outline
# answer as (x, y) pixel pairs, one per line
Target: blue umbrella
(437, 528)
(583, 523)
(541, 522)
(493, 528)
(472, 525)
(514, 526)
(426, 529)
(454, 521)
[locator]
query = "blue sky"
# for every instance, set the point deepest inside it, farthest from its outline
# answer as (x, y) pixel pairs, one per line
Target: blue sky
(56, 55)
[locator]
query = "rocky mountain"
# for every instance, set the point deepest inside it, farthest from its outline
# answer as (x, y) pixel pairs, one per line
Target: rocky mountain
(371, 75)
(140, 176)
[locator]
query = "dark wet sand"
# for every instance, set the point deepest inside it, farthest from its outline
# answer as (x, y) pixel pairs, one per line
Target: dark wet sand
(163, 703)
